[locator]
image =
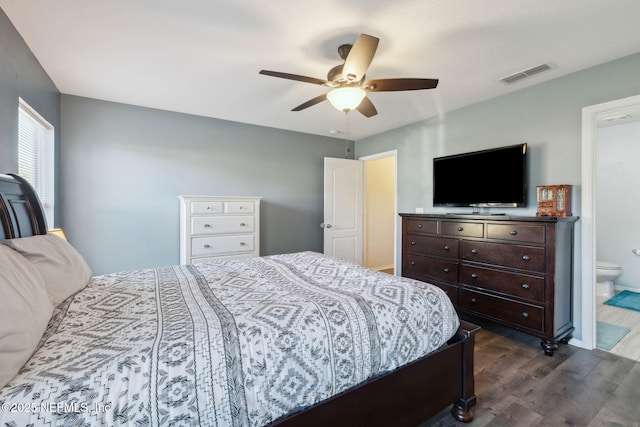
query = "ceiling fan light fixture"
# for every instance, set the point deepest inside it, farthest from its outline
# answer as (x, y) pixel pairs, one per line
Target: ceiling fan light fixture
(346, 98)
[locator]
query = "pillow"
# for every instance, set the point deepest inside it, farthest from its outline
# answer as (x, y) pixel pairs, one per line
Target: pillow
(63, 269)
(25, 310)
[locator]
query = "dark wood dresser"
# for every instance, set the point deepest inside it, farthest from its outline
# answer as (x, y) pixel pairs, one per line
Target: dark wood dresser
(513, 270)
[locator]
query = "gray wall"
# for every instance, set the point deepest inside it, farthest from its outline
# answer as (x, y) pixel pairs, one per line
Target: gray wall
(21, 76)
(123, 167)
(547, 116)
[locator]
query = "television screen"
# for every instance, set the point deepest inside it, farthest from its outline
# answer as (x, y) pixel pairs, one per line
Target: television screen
(490, 178)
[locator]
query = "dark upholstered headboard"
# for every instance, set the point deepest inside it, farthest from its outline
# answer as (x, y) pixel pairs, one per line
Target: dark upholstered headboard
(21, 212)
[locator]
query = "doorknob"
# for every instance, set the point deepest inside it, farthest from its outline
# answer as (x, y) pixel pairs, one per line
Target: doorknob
(323, 225)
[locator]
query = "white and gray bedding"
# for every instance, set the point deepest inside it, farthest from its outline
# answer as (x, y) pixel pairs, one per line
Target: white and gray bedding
(227, 343)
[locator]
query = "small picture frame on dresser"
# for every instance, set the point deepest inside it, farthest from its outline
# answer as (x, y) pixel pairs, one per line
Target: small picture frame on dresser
(554, 200)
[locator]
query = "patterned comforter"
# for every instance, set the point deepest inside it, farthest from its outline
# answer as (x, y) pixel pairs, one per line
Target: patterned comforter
(227, 343)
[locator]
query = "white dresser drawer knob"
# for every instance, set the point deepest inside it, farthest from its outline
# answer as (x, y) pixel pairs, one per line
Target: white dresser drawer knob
(243, 244)
(242, 224)
(207, 246)
(207, 225)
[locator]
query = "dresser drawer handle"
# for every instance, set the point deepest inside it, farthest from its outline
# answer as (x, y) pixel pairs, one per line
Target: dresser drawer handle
(243, 244)
(242, 224)
(446, 247)
(525, 286)
(413, 263)
(419, 225)
(460, 228)
(473, 300)
(526, 258)
(413, 243)
(207, 225)
(446, 270)
(513, 232)
(525, 315)
(474, 251)
(474, 276)
(207, 246)
(241, 207)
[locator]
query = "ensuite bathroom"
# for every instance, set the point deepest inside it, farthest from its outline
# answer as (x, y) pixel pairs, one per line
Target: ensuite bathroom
(617, 225)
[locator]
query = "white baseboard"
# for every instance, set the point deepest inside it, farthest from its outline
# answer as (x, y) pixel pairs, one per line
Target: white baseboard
(617, 289)
(578, 343)
(384, 267)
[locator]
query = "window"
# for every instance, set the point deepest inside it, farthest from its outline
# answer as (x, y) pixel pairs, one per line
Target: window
(35, 155)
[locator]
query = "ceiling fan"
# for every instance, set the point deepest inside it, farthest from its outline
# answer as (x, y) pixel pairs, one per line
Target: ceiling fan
(347, 81)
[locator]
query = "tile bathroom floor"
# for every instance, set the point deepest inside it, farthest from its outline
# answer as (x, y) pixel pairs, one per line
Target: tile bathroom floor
(629, 346)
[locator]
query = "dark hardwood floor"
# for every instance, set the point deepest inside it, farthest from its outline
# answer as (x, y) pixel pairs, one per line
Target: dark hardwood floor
(517, 385)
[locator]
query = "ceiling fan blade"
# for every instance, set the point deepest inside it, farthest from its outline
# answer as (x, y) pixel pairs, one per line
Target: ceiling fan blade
(311, 102)
(296, 77)
(360, 57)
(389, 85)
(366, 108)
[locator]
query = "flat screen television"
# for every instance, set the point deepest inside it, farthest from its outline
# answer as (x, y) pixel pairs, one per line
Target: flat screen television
(489, 178)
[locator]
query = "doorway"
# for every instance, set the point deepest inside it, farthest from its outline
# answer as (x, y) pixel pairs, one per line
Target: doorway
(360, 210)
(380, 211)
(590, 119)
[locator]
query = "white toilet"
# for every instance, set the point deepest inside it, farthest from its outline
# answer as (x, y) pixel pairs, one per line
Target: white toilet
(606, 274)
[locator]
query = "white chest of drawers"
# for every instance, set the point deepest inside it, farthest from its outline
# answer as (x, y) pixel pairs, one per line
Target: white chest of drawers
(213, 227)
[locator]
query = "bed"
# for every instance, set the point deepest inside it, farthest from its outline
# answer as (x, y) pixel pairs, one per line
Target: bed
(286, 340)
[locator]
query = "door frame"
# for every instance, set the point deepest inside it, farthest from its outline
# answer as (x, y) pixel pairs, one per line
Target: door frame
(376, 156)
(588, 218)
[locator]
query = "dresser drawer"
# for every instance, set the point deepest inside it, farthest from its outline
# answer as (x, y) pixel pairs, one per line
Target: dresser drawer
(412, 264)
(463, 229)
(515, 256)
(516, 284)
(221, 224)
(440, 269)
(450, 290)
(437, 246)
(206, 207)
(221, 257)
(519, 232)
(520, 314)
(420, 226)
(238, 207)
(203, 246)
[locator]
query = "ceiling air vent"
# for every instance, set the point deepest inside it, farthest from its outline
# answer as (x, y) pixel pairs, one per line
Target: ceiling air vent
(524, 74)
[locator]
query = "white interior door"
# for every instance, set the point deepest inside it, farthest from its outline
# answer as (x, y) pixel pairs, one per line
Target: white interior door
(343, 204)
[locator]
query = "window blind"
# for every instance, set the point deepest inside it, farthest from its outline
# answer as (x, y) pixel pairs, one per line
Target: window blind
(36, 155)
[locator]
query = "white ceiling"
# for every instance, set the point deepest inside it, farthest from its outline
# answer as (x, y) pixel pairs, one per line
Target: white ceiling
(203, 56)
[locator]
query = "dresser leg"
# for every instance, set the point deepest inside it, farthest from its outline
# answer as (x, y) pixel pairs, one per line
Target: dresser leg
(566, 339)
(549, 347)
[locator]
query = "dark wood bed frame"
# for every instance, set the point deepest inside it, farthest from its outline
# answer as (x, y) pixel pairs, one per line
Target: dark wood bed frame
(406, 396)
